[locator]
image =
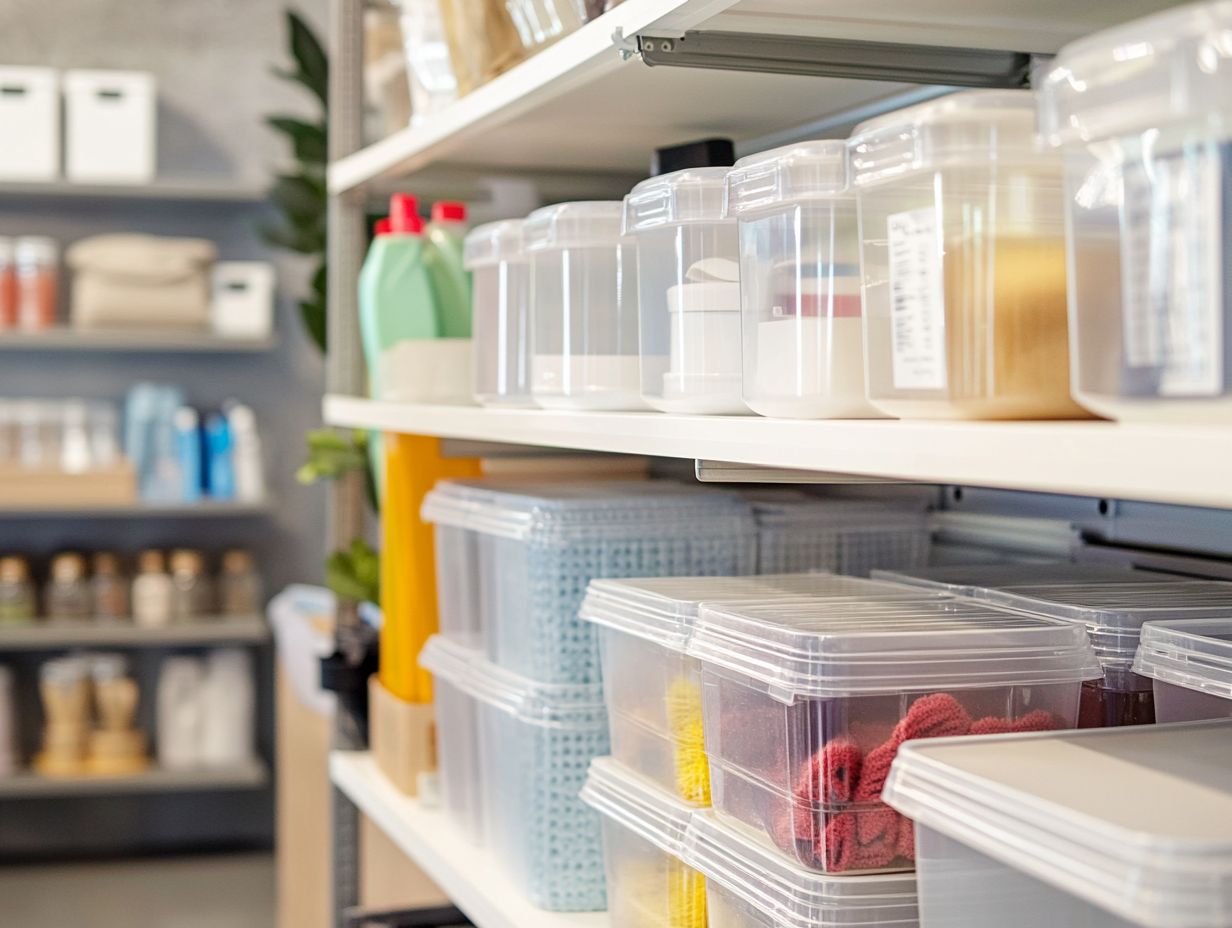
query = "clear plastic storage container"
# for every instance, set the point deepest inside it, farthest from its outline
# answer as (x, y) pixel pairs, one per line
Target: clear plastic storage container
(648, 886)
(963, 242)
(500, 300)
(688, 292)
(805, 707)
(584, 307)
(526, 550)
(542, 22)
(800, 282)
(1099, 829)
(1143, 113)
(461, 773)
(751, 886)
(1189, 663)
(536, 743)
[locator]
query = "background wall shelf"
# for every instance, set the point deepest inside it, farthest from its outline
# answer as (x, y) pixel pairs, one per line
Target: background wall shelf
(117, 341)
(29, 785)
(170, 190)
(204, 510)
(90, 633)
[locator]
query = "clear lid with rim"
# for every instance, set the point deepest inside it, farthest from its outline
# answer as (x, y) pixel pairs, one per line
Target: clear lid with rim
(692, 195)
(788, 894)
(833, 649)
(1136, 821)
(775, 508)
(1193, 653)
(493, 243)
(637, 804)
(787, 175)
(984, 128)
(1172, 67)
(664, 609)
(971, 579)
(546, 705)
(583, 224)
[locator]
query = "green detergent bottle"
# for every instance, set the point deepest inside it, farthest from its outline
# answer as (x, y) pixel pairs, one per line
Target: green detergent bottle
(450, 278)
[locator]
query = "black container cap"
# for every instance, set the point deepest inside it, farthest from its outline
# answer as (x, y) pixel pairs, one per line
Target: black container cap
(704, 153)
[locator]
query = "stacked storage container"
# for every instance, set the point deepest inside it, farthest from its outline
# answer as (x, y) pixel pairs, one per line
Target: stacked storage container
(1189, 663)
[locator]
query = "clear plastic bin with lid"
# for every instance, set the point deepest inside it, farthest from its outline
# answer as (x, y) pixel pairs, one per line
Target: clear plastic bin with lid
(800, 282)
(1189, 664)
(1143, 115)
(963, 243)
(583, 307)
(494, 255)
(689, 292)
(805, 707)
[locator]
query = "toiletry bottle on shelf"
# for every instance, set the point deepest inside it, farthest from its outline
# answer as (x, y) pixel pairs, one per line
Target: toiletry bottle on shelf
(239, 584)
(246, 454)
(451, 283)
(67, 594)
(192, 592)
(220, 465)
(178, 710)
(17, 597)
(151, 591)
(110, 587)
(188, 452)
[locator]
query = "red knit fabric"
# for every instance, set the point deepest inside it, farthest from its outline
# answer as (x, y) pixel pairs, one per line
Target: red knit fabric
(1039, 720)
(935, 716)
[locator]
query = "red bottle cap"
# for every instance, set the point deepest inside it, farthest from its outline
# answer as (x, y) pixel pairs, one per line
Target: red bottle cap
(382, 227)
(448, 212)
(404, 215)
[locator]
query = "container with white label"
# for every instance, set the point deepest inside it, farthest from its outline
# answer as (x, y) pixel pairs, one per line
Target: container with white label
(1146, 142)
(963, 257)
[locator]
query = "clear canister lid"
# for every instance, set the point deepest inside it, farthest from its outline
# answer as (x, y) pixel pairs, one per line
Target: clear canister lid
(493, 243)
(979, 128)
(582, 224)
(1174, 66)
(1193, 653)
(791, 174)
(637, 804)
(974, 579)
(692, 195)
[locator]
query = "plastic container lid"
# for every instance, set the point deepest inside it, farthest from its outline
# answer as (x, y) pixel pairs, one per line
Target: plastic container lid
(972, 579)
(546, 705)
(637, 804)
(492, 243)
(1137, 820)
(587, 223)
(664, 609)
(969, 127)
(774, 509)
(1193, 653)
(1157, 71)
(693, 195)
(842, 648)
(790, 895)
(791, 174)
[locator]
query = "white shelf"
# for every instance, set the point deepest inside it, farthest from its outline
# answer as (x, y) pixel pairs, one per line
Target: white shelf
(185, 190)
(579, 105)
(90, 633)
(469, 876)
(206, 509)
(1167, 464)
(252, 775)
(138, 340)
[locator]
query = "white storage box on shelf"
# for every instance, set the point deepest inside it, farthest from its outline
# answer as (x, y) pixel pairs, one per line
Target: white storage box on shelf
(1189, 663)
(800, 283)
(805, 706)
(751, 886)
(1148, 153)
(242, 299)
(29, 124)
(538, 544)
(1109, 602)
(653, 688)
(688, 277)
(500, 310)
(109, 126)
(643, 840)
(1100, 829)
(460, 771)
(963, 244)
(583, 307)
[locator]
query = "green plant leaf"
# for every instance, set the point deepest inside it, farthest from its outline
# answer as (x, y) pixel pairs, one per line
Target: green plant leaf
(311, 63)
(314, 315)
(355, 573)
(332, 454)
(300, 198)
(306, 241)
(307, 139)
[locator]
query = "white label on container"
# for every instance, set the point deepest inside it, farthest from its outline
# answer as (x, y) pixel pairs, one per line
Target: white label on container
(917, 301)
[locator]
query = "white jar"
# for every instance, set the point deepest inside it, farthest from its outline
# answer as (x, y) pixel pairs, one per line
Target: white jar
(800, 283)
(583, 307)
(500, 310)
(688, 292)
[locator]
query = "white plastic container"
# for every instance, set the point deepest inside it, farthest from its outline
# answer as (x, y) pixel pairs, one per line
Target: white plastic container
(538, 544)
(460, 771)
(541, 22)
(688, 292)
(109, 126)
(1146, 142)
(1189, 663)
(500, 309)
(29, 124)
(1099, 829)
(805, 706)
(963, 245)
(428, 370)
(800, 283)
(583, 307)
(751, 886)
(242, 299)
(643, 840)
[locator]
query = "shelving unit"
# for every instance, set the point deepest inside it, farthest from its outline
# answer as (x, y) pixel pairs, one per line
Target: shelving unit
(171, 190)
(206, 509)
(138, 340)
(49, 634)
(154, 780)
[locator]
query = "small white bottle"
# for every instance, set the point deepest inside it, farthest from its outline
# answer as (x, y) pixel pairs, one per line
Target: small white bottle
(152, 591)
(246, 454)
(178, 712)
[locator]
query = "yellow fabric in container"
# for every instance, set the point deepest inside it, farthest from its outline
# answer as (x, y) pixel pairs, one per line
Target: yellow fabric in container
(674, 897)
(413, 465)
(684, 719)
